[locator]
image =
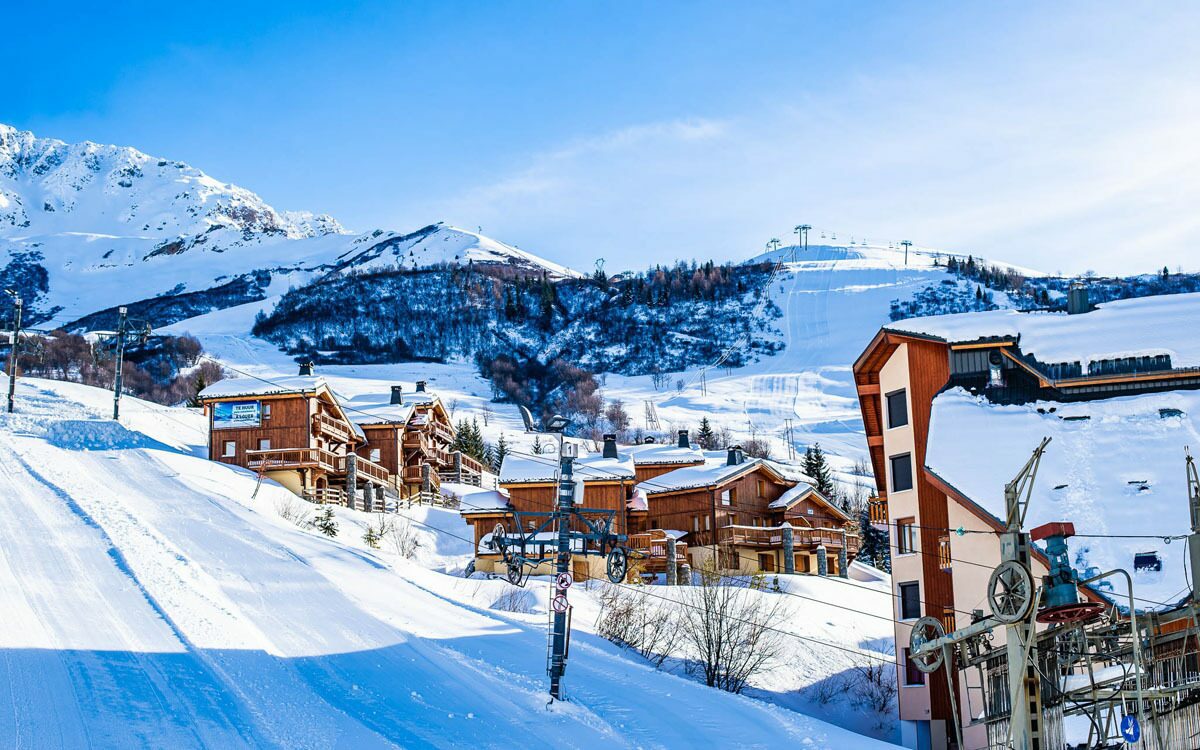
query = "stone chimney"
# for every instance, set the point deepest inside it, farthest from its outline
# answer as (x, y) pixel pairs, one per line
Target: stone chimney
(1077, 299)
(683, 439)
(735, 455)
(610, 446)
(420, 386)
(397, 394)
(306, 369)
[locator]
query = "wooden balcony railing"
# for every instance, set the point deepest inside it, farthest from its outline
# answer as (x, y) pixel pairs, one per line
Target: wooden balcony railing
(653, 545)
(943, 553)
(413, 474)
(442, 431)
(948, 621)
(372, 470)
(772, 537)
(338, 430)
(414, 440)
(877, 510)
(295, 458)
(468, 463)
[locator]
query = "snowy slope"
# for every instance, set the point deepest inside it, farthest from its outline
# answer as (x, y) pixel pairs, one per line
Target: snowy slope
(153, 601)
(112, 225)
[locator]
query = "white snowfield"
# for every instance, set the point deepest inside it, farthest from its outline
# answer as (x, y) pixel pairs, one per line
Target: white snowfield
(1114, 467)
(151, 601)
(1123, 328)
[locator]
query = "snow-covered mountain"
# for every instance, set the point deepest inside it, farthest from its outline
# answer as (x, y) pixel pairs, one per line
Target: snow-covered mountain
(85, 227)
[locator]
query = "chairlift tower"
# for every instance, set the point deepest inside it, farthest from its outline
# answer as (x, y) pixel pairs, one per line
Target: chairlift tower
(906, 245)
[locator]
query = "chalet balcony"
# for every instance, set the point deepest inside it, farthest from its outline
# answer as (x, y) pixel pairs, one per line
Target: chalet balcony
(414, 440)
(945, 562)
(372, 471)
(771, 537)
(413, 474)
(877, 511)
(295, 458)
(442, 432)
(329, 427)
(651, 549)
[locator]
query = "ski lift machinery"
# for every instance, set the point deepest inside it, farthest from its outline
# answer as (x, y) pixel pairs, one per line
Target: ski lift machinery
(533, 539)
(1017, 604)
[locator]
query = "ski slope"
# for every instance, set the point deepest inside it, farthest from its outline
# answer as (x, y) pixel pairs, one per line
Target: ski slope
(152, 600)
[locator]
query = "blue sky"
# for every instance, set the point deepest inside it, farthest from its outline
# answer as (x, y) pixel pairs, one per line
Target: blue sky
(1060, 137)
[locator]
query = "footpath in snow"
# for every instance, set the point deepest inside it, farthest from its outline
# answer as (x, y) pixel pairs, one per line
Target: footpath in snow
(151, 601)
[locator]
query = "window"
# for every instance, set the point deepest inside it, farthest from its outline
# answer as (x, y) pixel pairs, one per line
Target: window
(376, 454)
(897, 409)
(762, 488)
(728, 496)
(266, 411)
(906, 536)
(695, 523)
(708, 523)
(264, 444)
(910, 600)
(902, 473)
(229, 450)
(912, 675)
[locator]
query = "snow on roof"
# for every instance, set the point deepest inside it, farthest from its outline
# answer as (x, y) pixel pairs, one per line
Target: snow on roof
(663, 453)
(232, 387)
(1125, 328)
(1115, 466)
(594, 467)
(791, 495)
(487, 501)
(372, 409)
(712, 471)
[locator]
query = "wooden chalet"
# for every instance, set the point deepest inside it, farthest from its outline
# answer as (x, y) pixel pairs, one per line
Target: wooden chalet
(411, 436)
(736, 508)
(529, 485)
(651, 459)
(296, 432)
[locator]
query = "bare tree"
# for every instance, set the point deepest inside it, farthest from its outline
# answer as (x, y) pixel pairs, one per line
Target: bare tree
(873, 683)
(633, 620)
(398, 534)
(728, 630)
(486, 413)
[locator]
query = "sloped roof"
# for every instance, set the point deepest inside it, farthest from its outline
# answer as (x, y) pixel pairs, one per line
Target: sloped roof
(663, 453)
(1123, 328)
(233, 387)
(488, 501)
(801, 491)
(1114, 467)
(594, 467)
(712, 471)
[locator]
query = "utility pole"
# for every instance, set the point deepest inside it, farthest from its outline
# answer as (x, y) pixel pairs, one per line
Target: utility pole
(120, 361)
(18, 304)
(560, 626)
(907, 245)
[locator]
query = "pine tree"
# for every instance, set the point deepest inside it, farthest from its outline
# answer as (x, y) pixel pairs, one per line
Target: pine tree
(199, 384)
(874, 542)
(498, 453)
(371, 537)
(705, 436)
(537, 445)
(326, 523)
(816, 467)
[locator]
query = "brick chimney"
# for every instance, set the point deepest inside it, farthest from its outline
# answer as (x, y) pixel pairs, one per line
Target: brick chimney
(735, 456)
(306, 369)
(397, 394)
(420, 386)
(610, 446)
(683, 439)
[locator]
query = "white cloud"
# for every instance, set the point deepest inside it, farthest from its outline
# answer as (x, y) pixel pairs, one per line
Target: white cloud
(1058, 158)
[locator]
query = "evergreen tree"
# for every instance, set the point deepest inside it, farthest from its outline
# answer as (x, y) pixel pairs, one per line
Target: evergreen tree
(199, 384)
(498, 454)
(326, 523)
(874, 542)
(816, 467)
(706, 438)
(371, 537)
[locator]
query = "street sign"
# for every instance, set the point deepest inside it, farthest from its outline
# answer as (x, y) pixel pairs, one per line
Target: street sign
(559, 604)
(1130, 729)
(563, 581)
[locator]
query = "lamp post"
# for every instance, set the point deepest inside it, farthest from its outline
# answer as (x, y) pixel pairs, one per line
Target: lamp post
(18, 305)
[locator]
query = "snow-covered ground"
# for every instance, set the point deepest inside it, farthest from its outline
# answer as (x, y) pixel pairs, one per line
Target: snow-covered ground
(152, 599)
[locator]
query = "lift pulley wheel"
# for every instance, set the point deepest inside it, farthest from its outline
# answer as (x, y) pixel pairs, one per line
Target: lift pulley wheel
(925, 630)
(1010, 592)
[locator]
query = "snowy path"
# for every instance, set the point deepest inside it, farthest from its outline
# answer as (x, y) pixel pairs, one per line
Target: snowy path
(150, 603)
